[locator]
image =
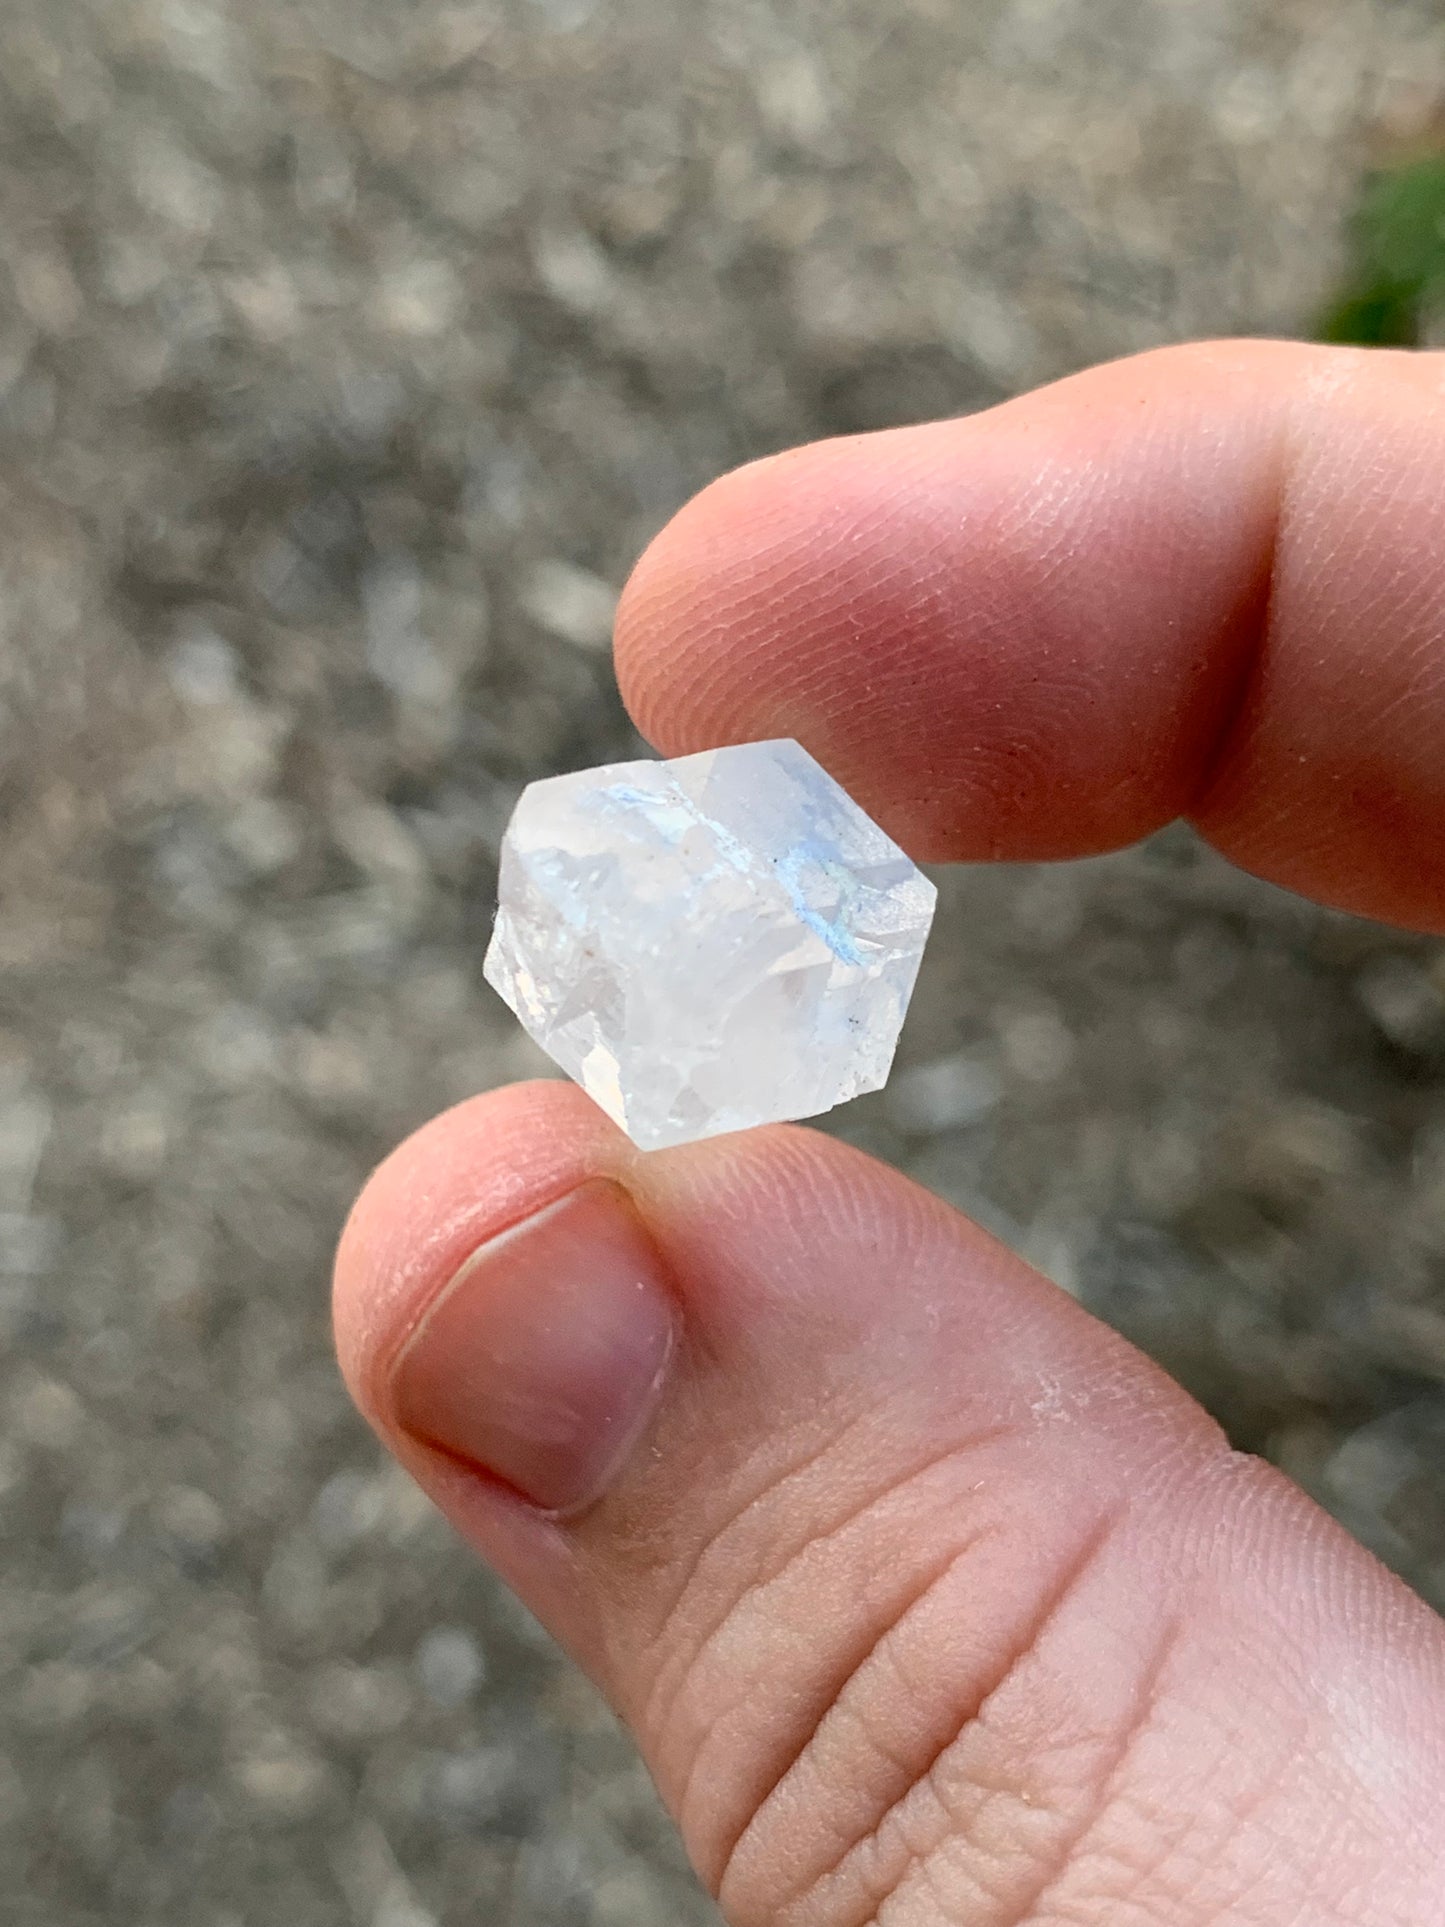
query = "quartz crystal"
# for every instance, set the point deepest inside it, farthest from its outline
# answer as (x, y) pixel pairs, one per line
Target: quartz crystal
(710, 943)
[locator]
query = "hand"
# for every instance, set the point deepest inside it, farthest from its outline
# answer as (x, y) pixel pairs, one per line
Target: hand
(928, 1599)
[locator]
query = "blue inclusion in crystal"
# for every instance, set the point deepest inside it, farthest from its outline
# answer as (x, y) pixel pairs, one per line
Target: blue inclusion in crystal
(790, 867)
(630, 798)
(833, 930)
(673, 803)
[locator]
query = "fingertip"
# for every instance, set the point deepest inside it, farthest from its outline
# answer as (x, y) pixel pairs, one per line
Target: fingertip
(461, 1179)
(1011, 635)
(706, 616)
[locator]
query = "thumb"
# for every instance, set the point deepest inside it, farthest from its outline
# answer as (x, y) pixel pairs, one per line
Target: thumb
(927, 1598)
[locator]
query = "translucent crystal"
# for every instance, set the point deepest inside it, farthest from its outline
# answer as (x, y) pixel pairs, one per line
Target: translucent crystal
(710, 943)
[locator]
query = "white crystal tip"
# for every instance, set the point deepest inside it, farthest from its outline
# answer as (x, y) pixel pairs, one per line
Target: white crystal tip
(710, 943)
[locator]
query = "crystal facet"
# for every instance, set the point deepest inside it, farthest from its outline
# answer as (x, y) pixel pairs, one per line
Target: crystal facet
(710, 943)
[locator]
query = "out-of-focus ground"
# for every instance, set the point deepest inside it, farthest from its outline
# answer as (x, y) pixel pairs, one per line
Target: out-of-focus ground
(349, 351)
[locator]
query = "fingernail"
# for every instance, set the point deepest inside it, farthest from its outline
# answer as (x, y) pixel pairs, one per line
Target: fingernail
(543, 1359)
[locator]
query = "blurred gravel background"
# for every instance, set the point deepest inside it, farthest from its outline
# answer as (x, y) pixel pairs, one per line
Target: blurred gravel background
(349, 351)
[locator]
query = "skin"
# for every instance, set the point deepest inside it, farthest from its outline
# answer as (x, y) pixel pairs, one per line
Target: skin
(927, 1598)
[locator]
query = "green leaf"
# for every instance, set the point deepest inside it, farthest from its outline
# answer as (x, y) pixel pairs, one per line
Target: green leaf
(1401, 225)
(1384, 319)
(1397, 266)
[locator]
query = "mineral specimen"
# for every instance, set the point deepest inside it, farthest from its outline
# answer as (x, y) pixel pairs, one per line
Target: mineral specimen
(710, 943)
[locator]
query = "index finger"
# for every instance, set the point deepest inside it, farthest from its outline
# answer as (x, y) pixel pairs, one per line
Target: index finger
(1207, 582)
